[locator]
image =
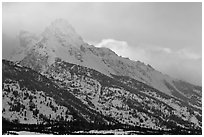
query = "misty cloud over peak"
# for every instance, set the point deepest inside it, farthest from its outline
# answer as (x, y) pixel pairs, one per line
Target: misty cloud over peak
(63, 32)
(26, 38)
(62, 25)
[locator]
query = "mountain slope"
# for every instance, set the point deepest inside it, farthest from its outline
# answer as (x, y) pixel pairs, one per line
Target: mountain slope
(75, 93)
(111, 90)
(30, 98)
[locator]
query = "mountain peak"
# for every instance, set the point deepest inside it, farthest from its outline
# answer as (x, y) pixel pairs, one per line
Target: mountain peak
(62, 24)
(61, 30)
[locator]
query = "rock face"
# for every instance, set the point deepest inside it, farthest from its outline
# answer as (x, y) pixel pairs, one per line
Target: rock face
(70, 80)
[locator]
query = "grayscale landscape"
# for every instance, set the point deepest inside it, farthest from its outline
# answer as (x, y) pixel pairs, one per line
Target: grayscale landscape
(102, 68)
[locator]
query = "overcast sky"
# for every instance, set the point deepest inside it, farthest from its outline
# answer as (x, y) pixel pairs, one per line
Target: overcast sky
(167, 36)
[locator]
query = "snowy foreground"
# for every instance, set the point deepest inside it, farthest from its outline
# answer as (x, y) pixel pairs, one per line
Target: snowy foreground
(100, 132)
(95, 132)
(24, 133)
(110, 132)
(115, 132)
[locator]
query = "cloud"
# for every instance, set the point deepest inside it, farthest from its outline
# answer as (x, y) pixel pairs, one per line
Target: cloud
(187, 54)
(119, 47)
(182, 63)
(122, 48)
(145, 51)
(161, 49)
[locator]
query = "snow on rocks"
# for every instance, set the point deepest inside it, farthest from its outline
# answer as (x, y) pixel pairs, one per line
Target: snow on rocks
(30, 107)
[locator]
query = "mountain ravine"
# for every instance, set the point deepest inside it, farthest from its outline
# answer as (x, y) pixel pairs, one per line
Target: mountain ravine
(56, 83)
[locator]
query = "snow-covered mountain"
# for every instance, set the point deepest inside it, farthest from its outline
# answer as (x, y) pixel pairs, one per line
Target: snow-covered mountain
(103, 87)
(59, 40)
